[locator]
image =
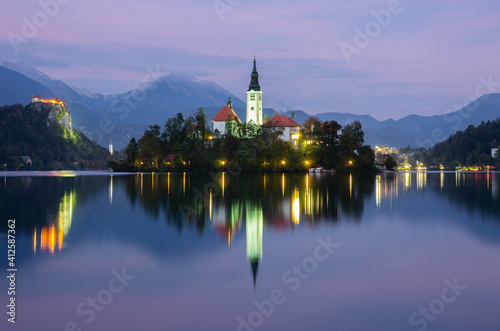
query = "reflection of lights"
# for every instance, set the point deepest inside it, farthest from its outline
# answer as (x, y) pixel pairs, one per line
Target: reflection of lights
(223, 182)
(378, 190)
(168, 183)
(308, 205)
(442, 180)
(52, 239)
(210, 205)
(152, 182)
(421, 180)
(283, 184)
(66, 207)
(111, 190)
(184, 184)
(296, 206)
(34, 241)
(53, 235)
(44, 235)
(350, 185)
(407, 181)
(60, 239)
(254, 229)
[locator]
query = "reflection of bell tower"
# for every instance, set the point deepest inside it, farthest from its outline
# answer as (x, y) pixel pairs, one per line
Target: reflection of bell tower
(254, 229)
(254, 98)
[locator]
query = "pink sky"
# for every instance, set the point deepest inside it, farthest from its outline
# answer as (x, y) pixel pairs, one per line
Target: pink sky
(427, 58)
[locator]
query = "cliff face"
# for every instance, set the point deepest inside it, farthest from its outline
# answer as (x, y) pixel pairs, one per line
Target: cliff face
(56, 113)
(44, 133)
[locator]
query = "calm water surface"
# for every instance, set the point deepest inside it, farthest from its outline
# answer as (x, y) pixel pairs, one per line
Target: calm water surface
(414, 251)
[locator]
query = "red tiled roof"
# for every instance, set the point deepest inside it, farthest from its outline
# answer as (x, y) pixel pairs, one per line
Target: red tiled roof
(223, 113)
(281, 121)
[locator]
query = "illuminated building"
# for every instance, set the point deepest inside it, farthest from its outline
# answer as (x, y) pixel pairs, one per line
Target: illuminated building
(386, 149)
(254, 98)
(226, 112)
(37, 98)
(290, 128)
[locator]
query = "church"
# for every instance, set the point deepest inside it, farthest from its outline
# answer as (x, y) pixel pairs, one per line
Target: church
(254, 113)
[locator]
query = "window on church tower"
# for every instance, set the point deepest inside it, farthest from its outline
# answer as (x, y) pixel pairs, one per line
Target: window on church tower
(252, 97)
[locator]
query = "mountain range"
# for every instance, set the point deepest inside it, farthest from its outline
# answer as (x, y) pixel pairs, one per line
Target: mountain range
(120, 117)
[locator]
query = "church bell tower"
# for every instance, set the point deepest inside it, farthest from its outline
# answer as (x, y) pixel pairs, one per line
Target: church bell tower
(254, 98)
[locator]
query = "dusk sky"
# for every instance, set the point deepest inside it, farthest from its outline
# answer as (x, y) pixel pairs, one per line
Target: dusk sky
(423, 59)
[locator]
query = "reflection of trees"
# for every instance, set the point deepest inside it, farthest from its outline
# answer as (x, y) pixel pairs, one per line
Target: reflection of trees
(477, 192)
(195, 199)
(39, 201)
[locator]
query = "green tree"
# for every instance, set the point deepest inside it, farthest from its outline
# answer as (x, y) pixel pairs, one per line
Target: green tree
(390, 163)
(149, 144)
(312, 121)
(201, 123)
(174, 132)
(131, 151)
(365, 160)
(352, 138)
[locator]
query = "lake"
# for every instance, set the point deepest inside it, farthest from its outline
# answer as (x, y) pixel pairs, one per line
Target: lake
(407, 251)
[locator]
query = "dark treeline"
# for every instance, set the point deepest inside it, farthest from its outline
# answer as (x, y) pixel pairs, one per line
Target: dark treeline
(26, 132)
(187, 144)
(471, 147)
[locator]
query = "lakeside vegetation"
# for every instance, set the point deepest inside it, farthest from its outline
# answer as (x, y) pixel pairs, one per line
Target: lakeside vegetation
(31, 141)
(471, 147)
(187, 144)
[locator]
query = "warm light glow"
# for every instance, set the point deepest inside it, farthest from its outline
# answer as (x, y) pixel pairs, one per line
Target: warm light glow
(44, 242)
(296, 206)
(350, 185)
(283, 162)
(52, 239)
(54, 101)
(421, 180)
(210, 205)
(60, 240)
(295, 136)
(223, 183)
(350, 162)
(184, 184)
(210, 137)
(111, 190)
(283, 184)
(34, 241)
(407, 181)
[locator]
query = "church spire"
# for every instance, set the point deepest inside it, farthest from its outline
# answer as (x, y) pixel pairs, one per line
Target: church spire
(254, 82)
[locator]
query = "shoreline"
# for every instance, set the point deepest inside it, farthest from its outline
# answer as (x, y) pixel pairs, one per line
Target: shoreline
(71, 173)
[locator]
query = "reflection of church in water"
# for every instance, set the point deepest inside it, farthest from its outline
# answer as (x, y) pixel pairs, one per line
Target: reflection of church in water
(227, 220)
(231, 214)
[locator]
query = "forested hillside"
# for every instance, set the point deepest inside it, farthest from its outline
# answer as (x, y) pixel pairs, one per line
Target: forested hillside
(469, 147)
(26, 132)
